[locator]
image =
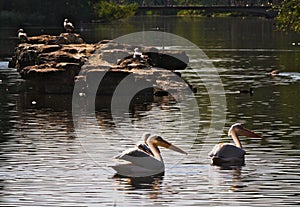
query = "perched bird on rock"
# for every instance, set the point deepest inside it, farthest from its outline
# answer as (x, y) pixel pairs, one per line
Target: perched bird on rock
(68, 26)
(22, 36)
(137, 54)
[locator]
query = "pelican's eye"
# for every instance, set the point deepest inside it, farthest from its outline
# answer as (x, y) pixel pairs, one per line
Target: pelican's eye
(159, 139)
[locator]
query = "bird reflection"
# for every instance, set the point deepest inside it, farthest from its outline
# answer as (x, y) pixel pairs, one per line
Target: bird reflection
(237, 179)
(230, 176)
(152, 183)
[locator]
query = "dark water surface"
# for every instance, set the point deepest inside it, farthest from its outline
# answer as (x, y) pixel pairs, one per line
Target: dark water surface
(46, 160)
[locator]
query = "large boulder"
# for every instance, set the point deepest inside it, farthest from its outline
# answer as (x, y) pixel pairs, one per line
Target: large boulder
(63, 38)
(47, 57)
(53, 63)
(166, 59)
(170, 60)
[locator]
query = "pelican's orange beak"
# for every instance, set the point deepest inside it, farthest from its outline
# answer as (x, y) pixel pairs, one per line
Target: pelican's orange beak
(170, 146)
(177, 149)
(248, 133)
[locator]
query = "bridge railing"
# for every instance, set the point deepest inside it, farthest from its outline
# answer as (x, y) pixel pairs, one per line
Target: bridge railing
(202, 2)
(265, 11)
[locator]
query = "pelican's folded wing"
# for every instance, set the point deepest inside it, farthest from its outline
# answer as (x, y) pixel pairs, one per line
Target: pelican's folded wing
(140, 158)
(215, 150)
(226, 150)
(135, 152)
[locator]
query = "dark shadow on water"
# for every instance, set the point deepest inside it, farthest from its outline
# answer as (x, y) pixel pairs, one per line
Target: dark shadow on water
(236, 168)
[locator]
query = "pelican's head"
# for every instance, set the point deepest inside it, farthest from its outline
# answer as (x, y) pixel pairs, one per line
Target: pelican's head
(66, 20)
(238, 129)
(159, 141)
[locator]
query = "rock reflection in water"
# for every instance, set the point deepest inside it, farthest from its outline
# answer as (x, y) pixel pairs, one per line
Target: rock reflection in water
(139, 104)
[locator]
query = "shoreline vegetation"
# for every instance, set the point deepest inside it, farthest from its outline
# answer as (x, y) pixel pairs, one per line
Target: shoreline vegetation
(104, 12)
(22, 13)
(36, 12)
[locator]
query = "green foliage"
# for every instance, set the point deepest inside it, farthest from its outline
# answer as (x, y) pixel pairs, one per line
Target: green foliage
(110, 11)
(39, 12)
(289, 16)
(190, 13)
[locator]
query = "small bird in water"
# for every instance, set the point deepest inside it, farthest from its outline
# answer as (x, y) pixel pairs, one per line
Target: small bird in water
(245, 91)
(274, 73)
(68, 26)
(22, 36)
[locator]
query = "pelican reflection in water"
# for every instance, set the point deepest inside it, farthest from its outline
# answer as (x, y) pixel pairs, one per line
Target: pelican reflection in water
(229, 154)
(144, 159)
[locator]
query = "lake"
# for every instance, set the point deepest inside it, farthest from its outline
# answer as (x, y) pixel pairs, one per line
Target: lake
(49, 157)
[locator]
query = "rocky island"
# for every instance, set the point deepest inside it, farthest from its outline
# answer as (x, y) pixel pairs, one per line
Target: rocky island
(54, 64)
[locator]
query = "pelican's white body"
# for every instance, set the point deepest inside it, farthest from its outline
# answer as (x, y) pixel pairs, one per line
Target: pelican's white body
(139, 163)
(136, 163)
(228, 154)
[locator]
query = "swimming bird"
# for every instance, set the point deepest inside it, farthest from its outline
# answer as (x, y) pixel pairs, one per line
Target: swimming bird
(228, 154)
(141, 162)
(245, 91)
(68, 26)
(22, 36)
(274, 73)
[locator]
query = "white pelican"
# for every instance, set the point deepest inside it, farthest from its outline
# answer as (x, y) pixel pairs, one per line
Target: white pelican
(68, 26)
(137, 53)
(22, 36)
(228, 154)
(145, 159)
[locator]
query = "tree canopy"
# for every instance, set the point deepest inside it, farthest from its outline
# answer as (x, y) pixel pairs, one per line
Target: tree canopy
(37, 12)
(288, 18)
(110, 11)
